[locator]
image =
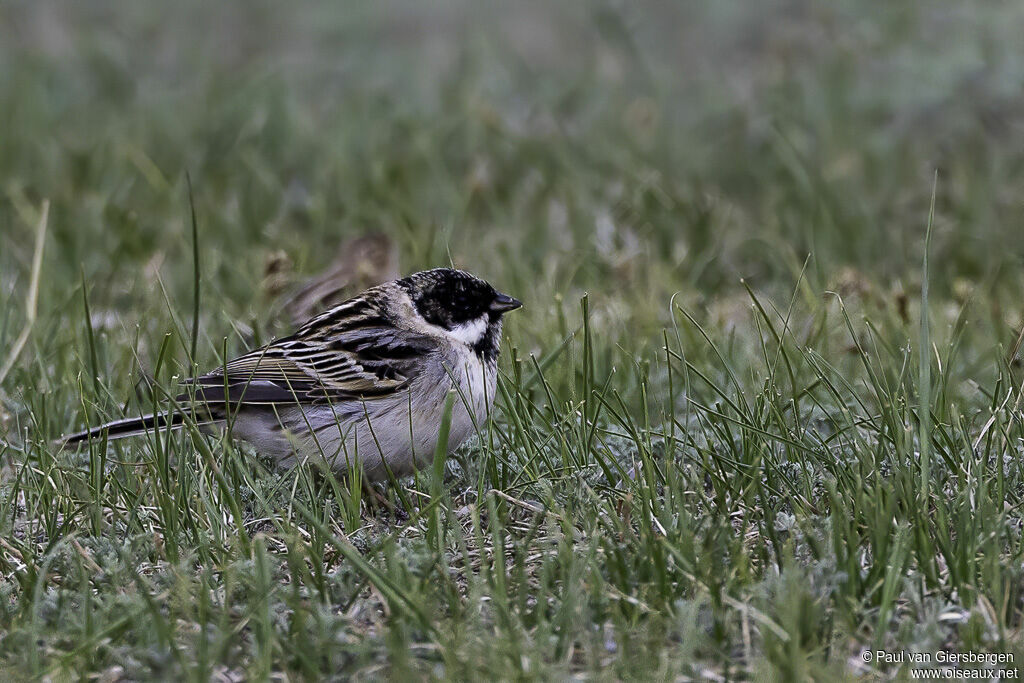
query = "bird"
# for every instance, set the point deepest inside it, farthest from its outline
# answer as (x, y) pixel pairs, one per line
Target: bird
(362, 385)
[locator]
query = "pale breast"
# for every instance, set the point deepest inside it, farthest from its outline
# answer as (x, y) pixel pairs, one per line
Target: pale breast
(401, 430)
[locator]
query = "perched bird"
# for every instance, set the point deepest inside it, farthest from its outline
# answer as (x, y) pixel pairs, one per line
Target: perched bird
(363, 384)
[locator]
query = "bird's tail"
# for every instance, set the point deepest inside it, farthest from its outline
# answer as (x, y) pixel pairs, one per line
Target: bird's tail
(131, 426)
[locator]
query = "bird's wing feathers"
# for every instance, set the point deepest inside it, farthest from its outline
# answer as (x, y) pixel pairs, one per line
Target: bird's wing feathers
(350, 352)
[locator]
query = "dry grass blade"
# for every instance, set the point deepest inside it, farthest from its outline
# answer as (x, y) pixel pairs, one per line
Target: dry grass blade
(32, 298)
(530, 507)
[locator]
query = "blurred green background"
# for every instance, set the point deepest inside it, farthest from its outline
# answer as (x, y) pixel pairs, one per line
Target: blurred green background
(642, 149)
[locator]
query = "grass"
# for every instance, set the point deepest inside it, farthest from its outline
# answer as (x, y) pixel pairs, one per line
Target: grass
(760, 414)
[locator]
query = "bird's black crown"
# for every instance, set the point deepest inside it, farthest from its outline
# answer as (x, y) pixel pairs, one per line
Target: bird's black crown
(447, 297)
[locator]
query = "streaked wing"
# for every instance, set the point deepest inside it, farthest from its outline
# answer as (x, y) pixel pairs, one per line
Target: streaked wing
(349, 352)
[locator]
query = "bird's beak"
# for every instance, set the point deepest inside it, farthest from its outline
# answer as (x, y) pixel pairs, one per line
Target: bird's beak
(503, 303)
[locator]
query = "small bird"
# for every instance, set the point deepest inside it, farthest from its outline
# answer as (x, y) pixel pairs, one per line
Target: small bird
(363, 384)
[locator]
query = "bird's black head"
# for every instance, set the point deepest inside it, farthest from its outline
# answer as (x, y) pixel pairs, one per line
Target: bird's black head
(464, 305)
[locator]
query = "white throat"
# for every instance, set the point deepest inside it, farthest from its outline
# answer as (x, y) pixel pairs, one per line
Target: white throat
(471, 331)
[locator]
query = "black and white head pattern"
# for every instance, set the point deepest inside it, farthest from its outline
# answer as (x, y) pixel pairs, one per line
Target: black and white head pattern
(466, 307)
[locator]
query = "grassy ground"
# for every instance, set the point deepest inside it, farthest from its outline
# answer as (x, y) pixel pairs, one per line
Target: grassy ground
(710, 455)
